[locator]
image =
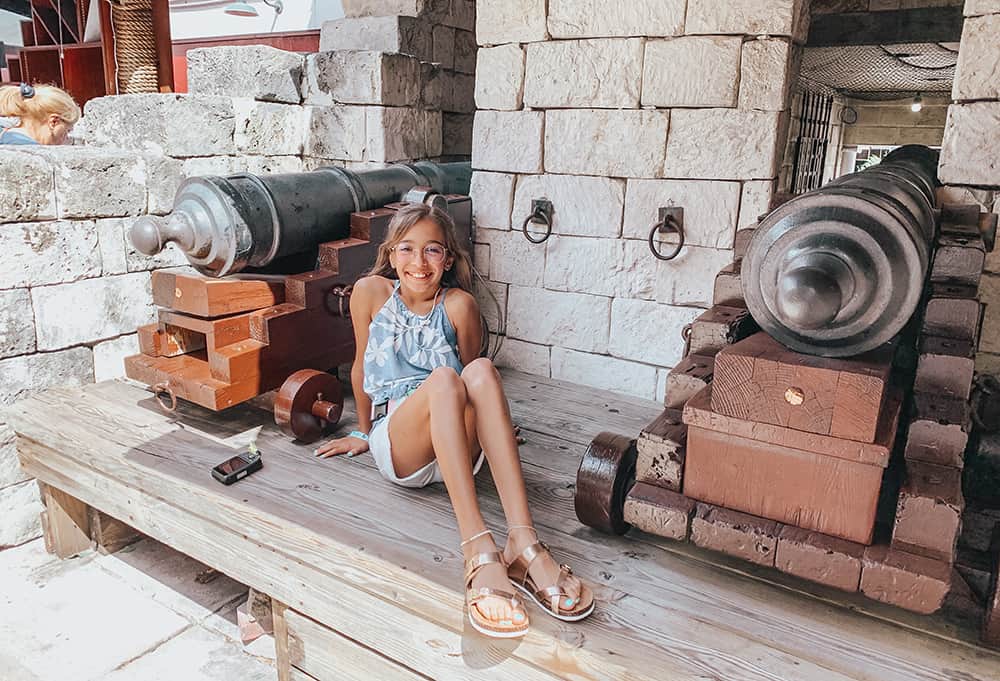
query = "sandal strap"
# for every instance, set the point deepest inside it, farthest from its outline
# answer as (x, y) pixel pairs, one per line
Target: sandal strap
(518, 568)
(478, 561)
(555, 590)
(473, 596)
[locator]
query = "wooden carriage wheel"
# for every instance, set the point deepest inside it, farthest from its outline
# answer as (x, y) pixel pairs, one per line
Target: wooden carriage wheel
(606, 474)
(308, 402)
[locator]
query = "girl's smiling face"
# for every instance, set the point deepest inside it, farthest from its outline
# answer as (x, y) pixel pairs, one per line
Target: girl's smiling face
(420, 258)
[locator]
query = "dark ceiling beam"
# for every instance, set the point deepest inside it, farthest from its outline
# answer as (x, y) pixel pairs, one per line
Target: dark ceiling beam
(22, 7)
(924, 25)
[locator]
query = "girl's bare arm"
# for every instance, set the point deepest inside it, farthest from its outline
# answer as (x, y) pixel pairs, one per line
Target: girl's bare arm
(463, 311)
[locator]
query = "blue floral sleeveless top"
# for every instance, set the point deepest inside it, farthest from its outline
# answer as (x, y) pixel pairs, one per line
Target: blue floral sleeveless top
(403, 348)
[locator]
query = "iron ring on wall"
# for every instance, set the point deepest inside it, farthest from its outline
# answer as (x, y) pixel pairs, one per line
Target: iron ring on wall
(668, 224)
(538, 214)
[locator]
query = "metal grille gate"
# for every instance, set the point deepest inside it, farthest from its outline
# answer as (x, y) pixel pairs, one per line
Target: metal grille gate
(811, 144)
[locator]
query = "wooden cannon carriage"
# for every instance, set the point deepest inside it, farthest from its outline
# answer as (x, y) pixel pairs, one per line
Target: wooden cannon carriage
(221, 340)
(844, 469)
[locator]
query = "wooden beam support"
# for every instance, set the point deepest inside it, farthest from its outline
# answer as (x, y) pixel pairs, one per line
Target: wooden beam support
(922, 25)
(66, 522)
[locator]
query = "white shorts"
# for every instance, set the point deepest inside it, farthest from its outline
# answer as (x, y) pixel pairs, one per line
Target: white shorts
(381, 449)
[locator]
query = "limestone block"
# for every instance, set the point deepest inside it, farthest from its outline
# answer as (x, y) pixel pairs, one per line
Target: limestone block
(764, 74)
(341, 77)
(592, 142)
(584, 206)
(646, 331)
(378, 8)
(481, 259)
(492, 298)
(268, 128)
(431, 85)
(38, 253)
(392, 34)
(460, 95)
(19, 509)
(500, 77)
(44, 370)
(93, 182)
(513, 259)
(27, 187)
(710, 209)
(171, 124)
(17, 330)
(163, 177)
(91, 310)
(969, 149)
(273, 164)
(170, 256)
(600, 18)
(977, 74)
(584, 73)
(394, 134)
(335, 132)
(508, 141)
(465, 52)
(989, 293)
(688, 279)
(492, 196)
(257, 71)
(11, 472)
(109, 356)
(510, 21)
(433, 133)
(456, 134)
(527, 357)
(571, 320)
(214, 165)
(583, 265)
(443, 46)
(724, 145)
(606, 373)
(755, 201)
(749, 17)
(696, 71)
(975, 8)
(111, 240)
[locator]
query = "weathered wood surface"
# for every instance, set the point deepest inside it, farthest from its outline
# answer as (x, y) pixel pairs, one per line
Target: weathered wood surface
(381, 564)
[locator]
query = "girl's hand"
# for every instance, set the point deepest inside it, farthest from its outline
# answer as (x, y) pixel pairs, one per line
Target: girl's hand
(352, 446)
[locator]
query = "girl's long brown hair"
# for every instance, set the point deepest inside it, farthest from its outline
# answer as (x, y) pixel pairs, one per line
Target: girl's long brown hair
(459, 275)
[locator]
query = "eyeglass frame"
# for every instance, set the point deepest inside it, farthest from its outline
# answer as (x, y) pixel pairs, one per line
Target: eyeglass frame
(445, 250)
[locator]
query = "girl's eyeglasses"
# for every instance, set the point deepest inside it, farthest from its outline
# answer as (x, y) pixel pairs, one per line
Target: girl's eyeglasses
(432, 253)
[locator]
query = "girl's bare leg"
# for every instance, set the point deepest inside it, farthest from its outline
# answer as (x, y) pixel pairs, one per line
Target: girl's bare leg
(496, 435)
(435, 422)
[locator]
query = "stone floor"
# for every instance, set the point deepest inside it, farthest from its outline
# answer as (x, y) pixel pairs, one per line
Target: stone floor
(145, 613)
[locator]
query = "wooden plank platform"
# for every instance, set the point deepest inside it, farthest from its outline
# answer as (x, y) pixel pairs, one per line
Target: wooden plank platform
(359, 562)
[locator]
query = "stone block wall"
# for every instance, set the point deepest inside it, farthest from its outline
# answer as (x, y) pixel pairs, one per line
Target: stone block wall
(612, 110)
(892, 123)
(970, 162)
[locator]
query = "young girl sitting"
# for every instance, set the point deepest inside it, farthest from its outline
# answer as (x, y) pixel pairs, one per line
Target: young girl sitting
(426, 404)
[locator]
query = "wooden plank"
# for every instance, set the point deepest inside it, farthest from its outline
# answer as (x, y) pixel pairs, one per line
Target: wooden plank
(698, 412)
(66, 522)
(110, 534)
(206, 297)
(282, 662)
(219, 331)
(920, 25)
(705, 616)
(324, 654)
(758, 379)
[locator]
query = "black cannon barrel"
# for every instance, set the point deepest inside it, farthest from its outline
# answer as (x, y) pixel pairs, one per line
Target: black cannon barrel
(839, 270)
(225, 225)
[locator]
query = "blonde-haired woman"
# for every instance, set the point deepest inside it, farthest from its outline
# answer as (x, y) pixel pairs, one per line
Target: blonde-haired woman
(36, 115)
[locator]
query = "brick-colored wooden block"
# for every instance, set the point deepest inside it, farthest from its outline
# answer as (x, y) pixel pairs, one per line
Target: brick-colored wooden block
(309, 289)
(728, 289)
(687, 379)
(959, 319)
(991, 618)
(371, 225)
(169, 341)
(660, 451)
(905, 580)
(959, 260)
(758, 379)
(742, 241)
(718, 327)
(698, 412)
(953, 290)
(806, 489)
(940, 408)
(938, 443)
(347, 258)
(819, 558)
(945, 367)
(957, 214)
(929, 511)
(659, 511)
(734, 533)
(207, 297)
